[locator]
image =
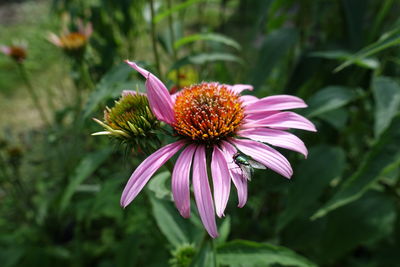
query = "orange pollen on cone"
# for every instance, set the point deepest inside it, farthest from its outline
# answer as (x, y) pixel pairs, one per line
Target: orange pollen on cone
(207, 112)
(74, 40)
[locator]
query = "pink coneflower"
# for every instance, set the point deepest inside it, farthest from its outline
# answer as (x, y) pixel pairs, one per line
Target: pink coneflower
(16, 51)
(214, 120)
(72, 41)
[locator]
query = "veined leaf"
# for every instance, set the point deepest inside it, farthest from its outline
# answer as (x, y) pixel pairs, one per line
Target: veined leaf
(247, 253)
(215, 37)
(384, 153)
(369, 63)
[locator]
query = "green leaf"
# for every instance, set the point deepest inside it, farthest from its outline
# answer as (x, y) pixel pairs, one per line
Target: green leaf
(247, 253)
(205, 257)
(362, 222)
(386, 41)
(85, 168)
(337, 117)
(387, 102)
(174, 9)
(314, 174)
(176, 229)
(275, 46)
(203, 58)
(110, 85)
(384, 154)
(369, 63)
(158, 185)
(328, 99)
(215, 37)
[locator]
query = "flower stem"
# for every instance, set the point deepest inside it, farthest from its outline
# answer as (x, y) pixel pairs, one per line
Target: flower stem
(31, 91)
(154, 38)
(172, 37)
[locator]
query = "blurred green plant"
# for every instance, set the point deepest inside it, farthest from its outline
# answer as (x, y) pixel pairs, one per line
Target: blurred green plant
(60, 188)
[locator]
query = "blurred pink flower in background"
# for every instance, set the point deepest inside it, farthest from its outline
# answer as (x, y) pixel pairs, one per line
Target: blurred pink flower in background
(73, 40)
(17, 52)
(215, 118)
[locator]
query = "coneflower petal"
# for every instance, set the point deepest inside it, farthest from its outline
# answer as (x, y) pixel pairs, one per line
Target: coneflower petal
(159, 98)
(265, 155)
(236, 173)
(283, 120)
(221, 180)
(276, 138)
(146, 169)
(276, 102)
(202, 192)
(180, 181)
(238, 88)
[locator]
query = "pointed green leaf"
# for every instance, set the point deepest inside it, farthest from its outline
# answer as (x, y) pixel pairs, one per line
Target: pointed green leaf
(387, 102)
(247, 253)
(383, 154)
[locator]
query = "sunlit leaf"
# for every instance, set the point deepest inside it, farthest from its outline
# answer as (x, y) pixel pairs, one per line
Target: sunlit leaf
(215, 37)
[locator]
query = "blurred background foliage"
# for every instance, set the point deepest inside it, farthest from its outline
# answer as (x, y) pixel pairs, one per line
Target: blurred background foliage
(60, 187)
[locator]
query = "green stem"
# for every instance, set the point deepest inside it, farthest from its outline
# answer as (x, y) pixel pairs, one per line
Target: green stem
(154, 38)
(31, 91)
(172, 37)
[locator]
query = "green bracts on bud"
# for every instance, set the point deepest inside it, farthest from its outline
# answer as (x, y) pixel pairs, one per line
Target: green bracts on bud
(130, 119)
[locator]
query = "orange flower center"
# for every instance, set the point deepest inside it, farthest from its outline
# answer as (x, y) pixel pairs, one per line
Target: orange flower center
(17, 53)
(74, 40)
(207, 112)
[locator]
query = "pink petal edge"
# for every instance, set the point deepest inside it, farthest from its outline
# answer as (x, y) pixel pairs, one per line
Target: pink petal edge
(276, 102)
(202, 192)
(265, 155)
(283, 120)
(221, 181)
(159, 98)
(236, 174)
(276, 138)
(180, 181)
(146, 169)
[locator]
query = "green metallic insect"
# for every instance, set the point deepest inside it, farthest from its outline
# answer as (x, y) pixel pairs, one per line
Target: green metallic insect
(247, 165)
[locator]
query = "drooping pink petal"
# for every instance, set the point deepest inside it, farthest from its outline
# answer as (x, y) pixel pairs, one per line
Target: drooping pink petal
(180, 181)
(146, 169)
(202, 192)
(236, 173)
(277, 102)
(159, 98)
(283, 120)
(221, 180)
(238, 88)
(276, 138)
(265, 155)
